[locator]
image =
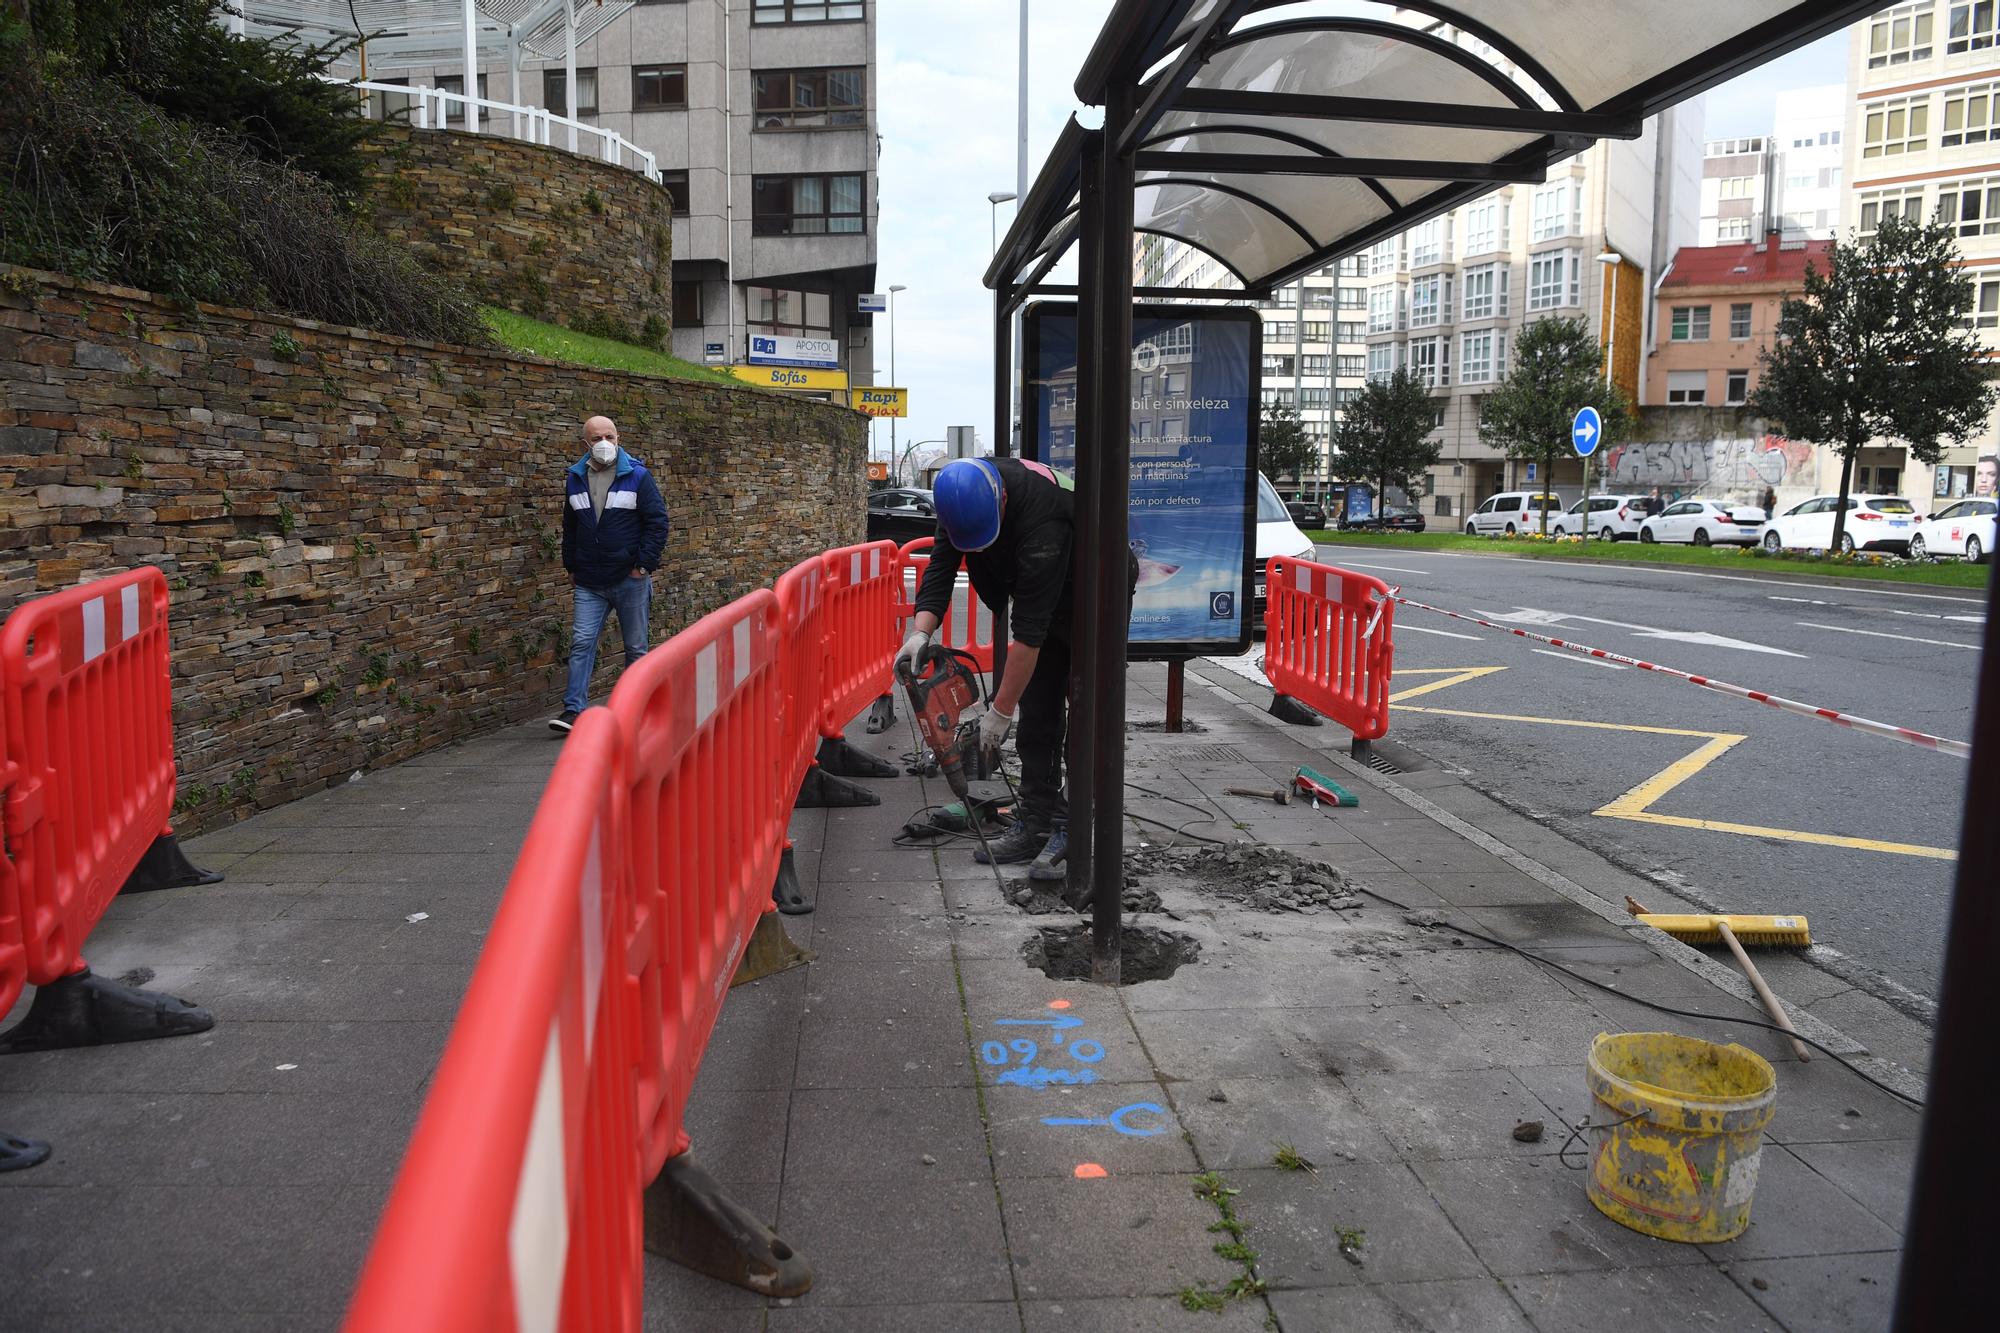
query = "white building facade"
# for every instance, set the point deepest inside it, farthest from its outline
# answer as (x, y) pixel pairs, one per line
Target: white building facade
(1808, 172)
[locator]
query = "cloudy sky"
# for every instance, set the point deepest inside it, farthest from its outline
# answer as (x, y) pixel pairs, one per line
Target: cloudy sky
(947, 82)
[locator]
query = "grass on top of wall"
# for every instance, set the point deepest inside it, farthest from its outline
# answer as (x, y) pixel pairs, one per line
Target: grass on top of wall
(557, 343)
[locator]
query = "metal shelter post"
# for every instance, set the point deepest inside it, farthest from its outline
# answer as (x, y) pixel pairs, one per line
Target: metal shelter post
(1081, 860)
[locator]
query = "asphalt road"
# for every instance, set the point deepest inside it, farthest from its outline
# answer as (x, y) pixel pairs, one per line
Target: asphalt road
(1904, 656)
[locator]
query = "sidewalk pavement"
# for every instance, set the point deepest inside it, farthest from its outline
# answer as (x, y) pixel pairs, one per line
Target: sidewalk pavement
(888, 1106)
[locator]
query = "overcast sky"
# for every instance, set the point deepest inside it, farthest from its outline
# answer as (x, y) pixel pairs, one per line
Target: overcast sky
(947, 82)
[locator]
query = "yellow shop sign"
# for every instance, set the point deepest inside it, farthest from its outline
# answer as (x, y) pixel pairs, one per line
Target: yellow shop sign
(790, 377)
(876, 401)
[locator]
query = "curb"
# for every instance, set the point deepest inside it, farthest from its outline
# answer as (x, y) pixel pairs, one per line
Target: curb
(1664, 945)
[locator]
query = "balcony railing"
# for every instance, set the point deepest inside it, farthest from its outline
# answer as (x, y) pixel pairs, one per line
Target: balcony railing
(430, 109)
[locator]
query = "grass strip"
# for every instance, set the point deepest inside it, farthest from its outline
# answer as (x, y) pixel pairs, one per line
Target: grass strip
(556, 343)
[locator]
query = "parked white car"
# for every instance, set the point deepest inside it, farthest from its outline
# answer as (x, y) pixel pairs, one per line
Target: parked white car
(1277, 535)
(1513, 512)
(1964, 527)
(1704, 522)
(1611, 517)
(1874, 523)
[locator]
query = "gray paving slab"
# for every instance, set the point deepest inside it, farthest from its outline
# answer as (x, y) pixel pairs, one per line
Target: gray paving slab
(1450, 1115)
(965, 1317)
(1638, 1300)
(1531, 1215)
(863, 990)
(1879, 1175)
(1469, 1305)
(1355, 1039)
(1138, 1314)
(1145, 1139)
(1798, 1212)
(883, 1134)
(1238, 1123)
(1141, 1235)
(916, 1050)
(1298, 1221)
(900, 1240)
(1846, 1291)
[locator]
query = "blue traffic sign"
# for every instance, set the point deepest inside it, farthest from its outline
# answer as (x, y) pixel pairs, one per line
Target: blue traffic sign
(1586, 431)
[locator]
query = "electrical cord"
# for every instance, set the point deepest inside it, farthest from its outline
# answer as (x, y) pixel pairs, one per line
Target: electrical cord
(1831, 1054)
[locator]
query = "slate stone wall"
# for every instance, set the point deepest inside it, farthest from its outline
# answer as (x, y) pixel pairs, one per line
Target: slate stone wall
(551, 234)
(362, 533)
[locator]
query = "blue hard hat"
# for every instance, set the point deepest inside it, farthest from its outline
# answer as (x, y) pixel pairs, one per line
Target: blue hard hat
(968, 494)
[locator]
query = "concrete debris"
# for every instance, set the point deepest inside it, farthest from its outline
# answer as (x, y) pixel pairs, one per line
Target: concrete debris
(1264, 879)
(1528, 1131)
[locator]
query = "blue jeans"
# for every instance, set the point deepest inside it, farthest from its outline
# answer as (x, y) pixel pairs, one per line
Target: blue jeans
(629, 597)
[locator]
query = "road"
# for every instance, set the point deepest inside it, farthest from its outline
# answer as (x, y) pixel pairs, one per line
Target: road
(1737, 805)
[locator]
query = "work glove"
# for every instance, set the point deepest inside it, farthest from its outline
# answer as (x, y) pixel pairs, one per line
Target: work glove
(913, 652)
(993, 729)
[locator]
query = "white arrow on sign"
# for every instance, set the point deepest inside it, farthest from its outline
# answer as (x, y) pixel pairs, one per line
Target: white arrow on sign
(1585, 431)
(1528, 615)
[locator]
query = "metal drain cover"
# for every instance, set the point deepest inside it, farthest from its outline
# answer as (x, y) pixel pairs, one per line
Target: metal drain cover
(1379, 764)
(1214, 754)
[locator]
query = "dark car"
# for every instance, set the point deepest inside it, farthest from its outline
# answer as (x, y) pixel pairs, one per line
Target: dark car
(1393, 518)
(901, 515)
(1310, 515)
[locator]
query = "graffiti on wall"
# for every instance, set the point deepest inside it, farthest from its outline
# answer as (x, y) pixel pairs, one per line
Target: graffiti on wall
(1742, 463)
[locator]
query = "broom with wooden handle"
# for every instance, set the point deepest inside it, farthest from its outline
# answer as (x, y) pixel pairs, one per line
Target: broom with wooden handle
(1701, 928)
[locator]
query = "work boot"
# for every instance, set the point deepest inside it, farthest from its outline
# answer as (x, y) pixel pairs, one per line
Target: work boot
(1018, 843)
(1049, 865)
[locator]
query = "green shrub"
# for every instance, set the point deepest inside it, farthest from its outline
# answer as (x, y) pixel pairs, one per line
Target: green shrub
(654, 332)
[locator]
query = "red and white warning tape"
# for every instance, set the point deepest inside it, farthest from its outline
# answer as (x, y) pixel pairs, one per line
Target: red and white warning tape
(1961, 748)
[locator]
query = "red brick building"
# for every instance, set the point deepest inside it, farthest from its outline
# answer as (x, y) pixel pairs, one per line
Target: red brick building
(1717, 311)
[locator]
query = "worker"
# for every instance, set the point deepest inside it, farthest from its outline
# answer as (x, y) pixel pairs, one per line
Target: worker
(1010, 522)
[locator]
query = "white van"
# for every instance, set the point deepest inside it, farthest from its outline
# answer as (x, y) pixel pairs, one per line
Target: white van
(1276, 535)
(1512, 512)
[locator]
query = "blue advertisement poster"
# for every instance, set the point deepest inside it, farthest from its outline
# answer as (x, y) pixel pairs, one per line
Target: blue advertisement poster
(1193, 486)
(1360, 503)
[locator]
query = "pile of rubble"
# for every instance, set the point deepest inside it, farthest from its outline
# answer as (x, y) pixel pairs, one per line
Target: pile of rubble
(1263, 879)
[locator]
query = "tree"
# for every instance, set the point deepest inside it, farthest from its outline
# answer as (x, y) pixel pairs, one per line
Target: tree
(1558, 368)
(1283, 447)
(1384, 435)
(1878, 347)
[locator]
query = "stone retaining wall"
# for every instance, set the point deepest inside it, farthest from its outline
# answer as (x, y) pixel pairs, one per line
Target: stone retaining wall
(362, 533)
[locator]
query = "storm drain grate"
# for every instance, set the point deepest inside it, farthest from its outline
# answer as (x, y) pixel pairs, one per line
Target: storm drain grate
(1214, 754)
(1379, 764)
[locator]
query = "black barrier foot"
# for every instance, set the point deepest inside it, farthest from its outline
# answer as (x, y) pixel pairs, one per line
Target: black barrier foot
(785, 890)
(842, 760)
(165, 866)
(1287, 709)
(883, 715)
(769, 952)
(19, 1154)
(88, 1010)
(823, 791)
(1360, 750)
(692, 1222)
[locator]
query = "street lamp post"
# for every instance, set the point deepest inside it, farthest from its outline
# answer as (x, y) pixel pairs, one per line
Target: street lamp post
(997, 198)
(1331, 300)
(893, 289)
(1612, 260)
(913, 446)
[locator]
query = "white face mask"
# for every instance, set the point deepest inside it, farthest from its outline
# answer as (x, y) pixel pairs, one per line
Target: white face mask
(604, 452)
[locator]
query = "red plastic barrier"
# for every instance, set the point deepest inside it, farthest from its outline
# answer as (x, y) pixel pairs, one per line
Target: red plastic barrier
(89, 732)
(709, 767)
(13, 955)
(1328, 642)
(799, 636)
(518, 1203)
(967, 625)
(862, 593)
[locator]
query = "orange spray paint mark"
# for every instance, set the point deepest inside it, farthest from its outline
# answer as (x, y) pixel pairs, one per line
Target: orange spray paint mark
(1090, 1171)
(1058, 1004)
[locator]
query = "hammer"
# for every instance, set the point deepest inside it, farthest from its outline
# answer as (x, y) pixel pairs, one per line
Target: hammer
(1278, 797)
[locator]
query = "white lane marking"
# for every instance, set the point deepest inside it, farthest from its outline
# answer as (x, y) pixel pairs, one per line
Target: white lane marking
(1393, 569)
(1891, 610)
(1699, 574)
(1900, 638)
(1932, 615)
(1528, 615)
(1572, 657)
(1441, 633)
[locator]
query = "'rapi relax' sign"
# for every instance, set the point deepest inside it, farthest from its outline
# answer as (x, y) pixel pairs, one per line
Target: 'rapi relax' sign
(776, 350)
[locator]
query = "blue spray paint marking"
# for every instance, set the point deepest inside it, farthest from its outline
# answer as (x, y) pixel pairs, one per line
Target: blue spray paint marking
(1025, 1077)
(1117, 1120)
(1061, 1022)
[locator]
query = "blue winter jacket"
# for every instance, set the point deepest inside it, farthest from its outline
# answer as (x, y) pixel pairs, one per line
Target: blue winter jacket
(598, 551)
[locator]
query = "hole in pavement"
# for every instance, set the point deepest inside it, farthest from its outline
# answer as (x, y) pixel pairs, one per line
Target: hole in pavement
(1146, 953)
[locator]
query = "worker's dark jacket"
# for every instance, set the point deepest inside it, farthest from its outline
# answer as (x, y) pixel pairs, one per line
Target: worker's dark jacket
(600, 550)
(1029, 565)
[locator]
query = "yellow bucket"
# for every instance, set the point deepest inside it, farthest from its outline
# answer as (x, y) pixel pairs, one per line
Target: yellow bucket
(1677, 1157)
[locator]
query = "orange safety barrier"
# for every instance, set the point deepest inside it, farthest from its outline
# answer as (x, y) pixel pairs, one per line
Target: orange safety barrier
(90, 739)
(518, 1203)
(13, 953)
(967, 627)
(861, 596)
(799, 632)
(1328, 642)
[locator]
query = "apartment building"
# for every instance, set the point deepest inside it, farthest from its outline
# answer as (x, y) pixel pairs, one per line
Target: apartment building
(1921, 141)
(1716, 311)
(1808, 171)
(1735, 189)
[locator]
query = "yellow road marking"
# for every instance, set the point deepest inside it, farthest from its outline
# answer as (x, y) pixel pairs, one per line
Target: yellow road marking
(1636, 804)
(1457, 676)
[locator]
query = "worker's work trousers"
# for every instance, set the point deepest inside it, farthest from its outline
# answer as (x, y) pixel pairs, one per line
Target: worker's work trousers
(1041, 736)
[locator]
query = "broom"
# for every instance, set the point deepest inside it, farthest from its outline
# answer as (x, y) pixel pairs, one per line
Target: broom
(1701, 928)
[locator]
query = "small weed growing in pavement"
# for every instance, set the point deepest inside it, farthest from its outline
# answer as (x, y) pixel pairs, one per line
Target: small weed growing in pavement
(1249, 1284)
(1201, 1300)
(1210, 1185)
(1288, 1157)
(1231, 1225)
(1350, 1240)
(1236, 1252)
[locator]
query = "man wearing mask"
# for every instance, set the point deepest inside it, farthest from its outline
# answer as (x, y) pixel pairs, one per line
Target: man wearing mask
(614, 533)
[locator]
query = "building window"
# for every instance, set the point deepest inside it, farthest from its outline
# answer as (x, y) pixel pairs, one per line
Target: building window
(1382, 309)
(1350, 367)
(1430, 300)
(1687, 386)
(1485, 227)
(1899, 125)
(1278, 367)
(687, 305)
(1430, 243)
(1475, 358)
(1733, 229)
(1382, 257)
(1905, 201)
(1558, 210)
(1280, 398)
(810, 99)
(1353, 298)
(1381, 361)
(1738, 388)
(659, 87)
(804, 11)
(788, 314)
(1314, 331)
(677, 190)
(1313, 396)
(454, 112)
(1971, 207)
(1739, 320)
(555, 87)
(1430, 358)
(1555, 279)
(1280, 331)
(1486, 291)
(1985, 313)
(1971, 28)
(1690, 324)
(1344, 394)
(1900, 36)
(1351, 331)
(807, 205)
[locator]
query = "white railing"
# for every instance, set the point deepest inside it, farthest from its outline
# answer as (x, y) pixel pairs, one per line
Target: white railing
(531, 124)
